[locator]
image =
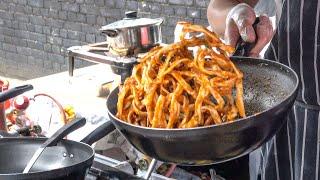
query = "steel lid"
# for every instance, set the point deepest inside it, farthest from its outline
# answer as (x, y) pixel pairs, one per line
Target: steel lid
(130, 21)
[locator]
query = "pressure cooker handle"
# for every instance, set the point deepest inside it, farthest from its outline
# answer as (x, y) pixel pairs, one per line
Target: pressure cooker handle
(160, 21)
(111, 32)
(131, 14)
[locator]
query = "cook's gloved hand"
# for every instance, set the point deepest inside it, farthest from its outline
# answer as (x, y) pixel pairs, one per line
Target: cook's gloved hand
(239, 25)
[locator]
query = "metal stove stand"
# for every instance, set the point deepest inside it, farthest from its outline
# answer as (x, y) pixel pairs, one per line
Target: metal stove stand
(99, 53)
(107, 168)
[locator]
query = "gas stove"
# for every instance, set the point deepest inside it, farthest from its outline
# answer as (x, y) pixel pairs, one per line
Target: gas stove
(107, 168)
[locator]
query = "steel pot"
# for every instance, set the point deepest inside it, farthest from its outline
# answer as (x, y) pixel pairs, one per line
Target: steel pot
(133, 35)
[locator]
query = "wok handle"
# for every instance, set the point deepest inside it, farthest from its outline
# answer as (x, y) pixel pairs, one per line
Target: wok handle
(244, 48)
(13, 92)
(62, 132)
(99, 133)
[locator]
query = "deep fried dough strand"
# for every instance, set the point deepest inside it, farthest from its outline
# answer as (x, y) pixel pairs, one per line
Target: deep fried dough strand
(214, 114)
(183, 83)
(239, 98)
(158, 120)
(171, 88)
(174, 107)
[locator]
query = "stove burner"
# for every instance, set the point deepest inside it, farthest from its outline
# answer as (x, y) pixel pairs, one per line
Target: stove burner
(110, 173)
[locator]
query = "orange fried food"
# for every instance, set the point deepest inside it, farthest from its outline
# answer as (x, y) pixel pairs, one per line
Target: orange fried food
(172, 88)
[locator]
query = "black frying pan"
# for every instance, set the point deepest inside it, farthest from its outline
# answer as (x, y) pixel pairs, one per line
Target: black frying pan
(67, 160)
(270, 89)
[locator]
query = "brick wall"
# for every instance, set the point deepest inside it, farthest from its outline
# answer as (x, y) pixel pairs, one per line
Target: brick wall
(34, 34)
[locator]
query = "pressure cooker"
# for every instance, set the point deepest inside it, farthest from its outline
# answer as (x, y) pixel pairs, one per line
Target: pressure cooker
(133, 35)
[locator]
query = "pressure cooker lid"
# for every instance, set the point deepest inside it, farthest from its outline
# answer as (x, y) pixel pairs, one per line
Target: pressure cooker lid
(131, 20)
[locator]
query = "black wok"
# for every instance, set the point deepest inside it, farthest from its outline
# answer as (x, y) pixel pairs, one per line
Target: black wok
(67, 160)
(270, 89)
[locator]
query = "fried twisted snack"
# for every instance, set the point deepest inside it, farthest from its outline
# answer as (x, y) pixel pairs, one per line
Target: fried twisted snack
(171, 88)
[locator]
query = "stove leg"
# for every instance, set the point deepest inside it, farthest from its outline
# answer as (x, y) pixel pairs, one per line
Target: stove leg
(150, 169)
(71, 65)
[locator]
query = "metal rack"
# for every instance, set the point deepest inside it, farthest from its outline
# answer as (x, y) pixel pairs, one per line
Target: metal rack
(99, 53)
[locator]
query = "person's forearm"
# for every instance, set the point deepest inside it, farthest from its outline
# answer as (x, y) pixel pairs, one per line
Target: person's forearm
(218, 11)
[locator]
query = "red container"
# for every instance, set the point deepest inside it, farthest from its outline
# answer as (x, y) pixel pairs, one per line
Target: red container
(21, 102)
(4, 85)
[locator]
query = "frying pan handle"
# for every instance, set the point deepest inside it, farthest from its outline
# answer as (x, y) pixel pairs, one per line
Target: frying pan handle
(4, 134)
(99, 133)
(65, 130)
(244, 48)
(13, 92)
